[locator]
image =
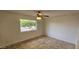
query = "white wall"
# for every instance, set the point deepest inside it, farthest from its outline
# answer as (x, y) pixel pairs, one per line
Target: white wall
(10, 29)
(77, 45)
(63, 28)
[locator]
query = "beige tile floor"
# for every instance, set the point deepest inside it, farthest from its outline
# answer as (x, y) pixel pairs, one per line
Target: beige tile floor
(43, 43)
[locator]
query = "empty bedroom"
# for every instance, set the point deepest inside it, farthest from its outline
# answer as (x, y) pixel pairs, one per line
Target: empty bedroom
(39, 29)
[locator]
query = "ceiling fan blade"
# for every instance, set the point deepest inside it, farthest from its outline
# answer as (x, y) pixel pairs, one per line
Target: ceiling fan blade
(46, 16)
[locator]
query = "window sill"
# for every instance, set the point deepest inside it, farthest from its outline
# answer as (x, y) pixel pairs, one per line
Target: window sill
(28, 31)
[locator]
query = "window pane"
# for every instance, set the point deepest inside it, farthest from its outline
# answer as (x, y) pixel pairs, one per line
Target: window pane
(28, 25)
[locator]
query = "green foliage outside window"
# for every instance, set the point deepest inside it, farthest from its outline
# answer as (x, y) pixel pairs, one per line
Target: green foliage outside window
(27, 23)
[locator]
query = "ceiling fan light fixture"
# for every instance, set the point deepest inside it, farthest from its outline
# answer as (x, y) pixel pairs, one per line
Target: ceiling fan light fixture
(38, 18)
(40, 15)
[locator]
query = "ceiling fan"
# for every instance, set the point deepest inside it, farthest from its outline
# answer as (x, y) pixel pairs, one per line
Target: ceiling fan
(40, 15)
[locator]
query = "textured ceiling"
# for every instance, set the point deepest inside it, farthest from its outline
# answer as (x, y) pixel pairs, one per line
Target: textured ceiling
(46, 12)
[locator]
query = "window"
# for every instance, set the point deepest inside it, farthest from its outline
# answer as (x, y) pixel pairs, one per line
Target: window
(27, 25)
